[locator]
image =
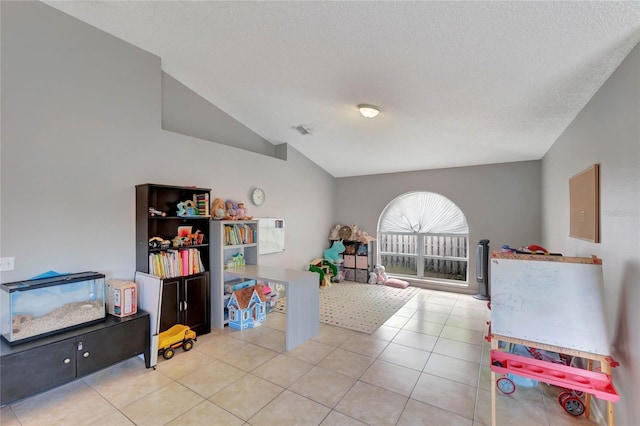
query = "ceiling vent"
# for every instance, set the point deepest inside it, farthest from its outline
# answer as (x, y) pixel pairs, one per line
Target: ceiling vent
(303, 130)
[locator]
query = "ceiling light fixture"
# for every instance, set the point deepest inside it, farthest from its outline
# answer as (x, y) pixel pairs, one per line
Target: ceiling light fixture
(368, 111)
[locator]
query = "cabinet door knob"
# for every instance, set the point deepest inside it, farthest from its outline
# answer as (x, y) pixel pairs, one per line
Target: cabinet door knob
(67, 360)
(86, 354)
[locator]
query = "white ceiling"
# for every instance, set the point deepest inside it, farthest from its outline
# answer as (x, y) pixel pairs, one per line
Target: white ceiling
(459, 83)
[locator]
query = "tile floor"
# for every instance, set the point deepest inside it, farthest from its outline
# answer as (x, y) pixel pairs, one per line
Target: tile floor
(427, 365)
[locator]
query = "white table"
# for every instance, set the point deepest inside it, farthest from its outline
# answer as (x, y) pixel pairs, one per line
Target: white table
(303, 299)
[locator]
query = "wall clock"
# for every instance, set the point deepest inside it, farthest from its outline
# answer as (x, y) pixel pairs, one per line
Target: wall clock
(258, 197)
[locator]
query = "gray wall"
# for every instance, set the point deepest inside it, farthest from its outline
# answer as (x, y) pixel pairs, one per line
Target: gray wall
(187, 113)
(501, 201)
(607, 131)
(81, 126)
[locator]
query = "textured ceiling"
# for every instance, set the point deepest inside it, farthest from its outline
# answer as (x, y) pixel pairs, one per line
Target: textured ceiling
(459, 83)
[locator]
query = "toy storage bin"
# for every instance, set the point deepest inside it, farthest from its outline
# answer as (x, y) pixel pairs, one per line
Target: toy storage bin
(41, 307)
(350, 274)
(362, 275)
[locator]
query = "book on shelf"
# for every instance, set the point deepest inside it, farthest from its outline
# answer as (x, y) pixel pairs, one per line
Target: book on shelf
(239, 234)
(175, 263)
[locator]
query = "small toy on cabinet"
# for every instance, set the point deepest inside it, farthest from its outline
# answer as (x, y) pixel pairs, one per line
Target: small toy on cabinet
(242, 213)
(155, 212)
(159, 243)
(196, 238)
(333, 253)
(186, 209)
(333, 233)
(232, 213)
(219, 210)
(363, 237)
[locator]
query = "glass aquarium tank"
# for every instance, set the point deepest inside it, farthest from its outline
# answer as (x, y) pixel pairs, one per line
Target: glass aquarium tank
(45, 306)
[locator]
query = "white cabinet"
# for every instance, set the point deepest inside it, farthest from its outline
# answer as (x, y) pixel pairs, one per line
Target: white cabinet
(230, 239)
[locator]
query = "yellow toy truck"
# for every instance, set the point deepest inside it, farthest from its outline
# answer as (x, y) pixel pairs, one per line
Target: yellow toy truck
(173, 338)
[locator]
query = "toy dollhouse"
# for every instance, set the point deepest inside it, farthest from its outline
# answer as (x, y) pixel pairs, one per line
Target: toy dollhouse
(247, 308)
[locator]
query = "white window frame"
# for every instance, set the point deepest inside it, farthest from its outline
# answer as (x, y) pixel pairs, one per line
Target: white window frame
(421, 255)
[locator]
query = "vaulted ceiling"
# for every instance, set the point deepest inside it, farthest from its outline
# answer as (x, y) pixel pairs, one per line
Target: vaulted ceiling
(459, 83)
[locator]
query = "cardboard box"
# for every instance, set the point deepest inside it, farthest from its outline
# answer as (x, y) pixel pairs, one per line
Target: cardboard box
(122, 298)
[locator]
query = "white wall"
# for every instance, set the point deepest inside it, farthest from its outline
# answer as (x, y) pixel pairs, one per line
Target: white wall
(607, 131)
(81, 126)
(501, 201)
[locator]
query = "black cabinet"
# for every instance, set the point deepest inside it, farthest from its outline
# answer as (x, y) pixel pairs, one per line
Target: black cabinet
(185, 301)
(35, 366)
(185, 291)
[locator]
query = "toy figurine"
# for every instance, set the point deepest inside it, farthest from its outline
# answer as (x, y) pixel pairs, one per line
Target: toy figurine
(186, 209)
(218, 210)
(153, 212)
(231, 210)
(242, 212)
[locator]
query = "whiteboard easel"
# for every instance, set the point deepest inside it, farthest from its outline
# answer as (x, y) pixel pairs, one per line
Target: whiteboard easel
(553, 303)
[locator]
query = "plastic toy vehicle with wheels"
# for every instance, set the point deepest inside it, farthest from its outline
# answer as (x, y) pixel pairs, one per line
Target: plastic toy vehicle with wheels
(506, 386)
(571, 403)
(175, 337)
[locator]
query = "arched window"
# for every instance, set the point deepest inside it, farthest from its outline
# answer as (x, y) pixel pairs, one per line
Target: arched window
(424, 235)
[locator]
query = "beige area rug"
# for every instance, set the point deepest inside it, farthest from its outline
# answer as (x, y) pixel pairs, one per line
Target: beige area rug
(358, 307)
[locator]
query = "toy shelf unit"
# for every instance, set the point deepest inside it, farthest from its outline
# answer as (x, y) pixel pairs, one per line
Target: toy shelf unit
(554, 304)
(172, 243)
(235, 243)
(358, 260)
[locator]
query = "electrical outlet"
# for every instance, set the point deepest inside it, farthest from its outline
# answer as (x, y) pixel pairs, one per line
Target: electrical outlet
(6, 263)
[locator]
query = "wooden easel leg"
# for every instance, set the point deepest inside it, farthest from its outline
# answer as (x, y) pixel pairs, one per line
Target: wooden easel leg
(493, 398)
(494, 346)
(611, 417)
(587, 398)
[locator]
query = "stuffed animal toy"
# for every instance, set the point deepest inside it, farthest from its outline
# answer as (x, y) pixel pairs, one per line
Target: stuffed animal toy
(383, 278)
(381, 274)
(364, 237)
(333, 253)
(373, 278)
(218, 209)
(333, 233)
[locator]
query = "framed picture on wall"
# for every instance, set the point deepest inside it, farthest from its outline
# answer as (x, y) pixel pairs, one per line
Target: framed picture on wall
(584, 200)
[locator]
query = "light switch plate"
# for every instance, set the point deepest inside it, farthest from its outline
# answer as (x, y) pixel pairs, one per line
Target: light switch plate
(6, 263)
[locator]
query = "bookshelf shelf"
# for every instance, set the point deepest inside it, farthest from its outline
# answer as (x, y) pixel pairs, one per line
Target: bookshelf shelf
(156, 250)
(185, 293)
(180, 217)
(223, 249)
